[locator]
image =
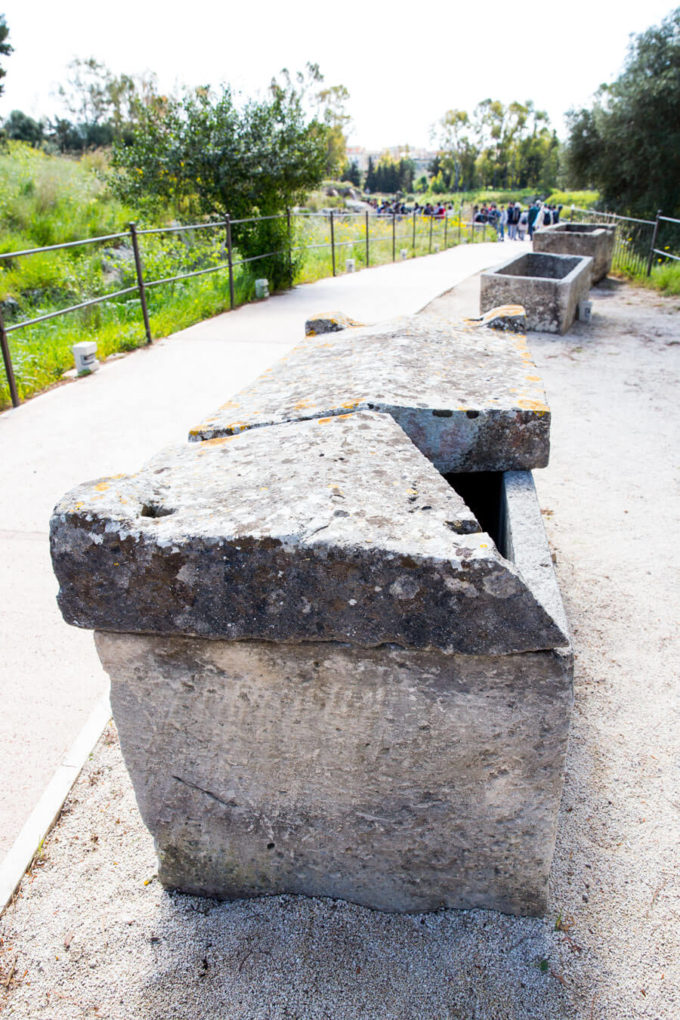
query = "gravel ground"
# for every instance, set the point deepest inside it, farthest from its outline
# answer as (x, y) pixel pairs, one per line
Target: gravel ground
(92, 934)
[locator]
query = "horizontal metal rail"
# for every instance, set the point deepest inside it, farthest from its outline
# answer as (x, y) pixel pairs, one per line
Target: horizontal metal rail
(180, 229)
(71, 308)
(613, 216)
(669, 219)
(666, 254)
(57, 247)
(430, 222)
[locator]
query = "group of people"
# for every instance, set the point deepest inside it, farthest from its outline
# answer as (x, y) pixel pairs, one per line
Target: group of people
(516, 220)
(385, 208)
(511, 219)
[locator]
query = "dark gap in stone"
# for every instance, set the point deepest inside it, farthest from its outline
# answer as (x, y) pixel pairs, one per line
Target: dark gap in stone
(153, 510)
(482, 491)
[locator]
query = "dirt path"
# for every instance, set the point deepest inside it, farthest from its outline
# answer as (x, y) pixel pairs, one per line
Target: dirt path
(87, 936)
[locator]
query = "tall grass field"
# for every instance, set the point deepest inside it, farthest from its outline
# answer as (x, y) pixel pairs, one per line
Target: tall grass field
(47, 200)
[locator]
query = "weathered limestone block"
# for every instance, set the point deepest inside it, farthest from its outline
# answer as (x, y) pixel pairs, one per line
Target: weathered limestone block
(328, 322)
(470, 400)
(400, 779)
(334, 671)
(334, 529)
(549, 286)
(593, 239)
(510, 318)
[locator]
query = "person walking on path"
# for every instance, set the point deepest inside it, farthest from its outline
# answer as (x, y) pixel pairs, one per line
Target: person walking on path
(512, 223)
(532, 216)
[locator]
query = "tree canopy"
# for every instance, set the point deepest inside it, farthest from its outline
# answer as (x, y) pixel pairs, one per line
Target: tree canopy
(628, 144)
(497, 146)
(5, 48)
(205, 154)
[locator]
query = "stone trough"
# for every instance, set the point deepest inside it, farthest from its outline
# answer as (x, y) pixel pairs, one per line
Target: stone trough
(595, 240)
(336, 670)
(550, 287)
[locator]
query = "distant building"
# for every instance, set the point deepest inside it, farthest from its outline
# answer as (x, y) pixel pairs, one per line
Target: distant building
(421, 157)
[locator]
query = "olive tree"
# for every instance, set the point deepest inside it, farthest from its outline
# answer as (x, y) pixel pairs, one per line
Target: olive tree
(628, 144)
(205, 154)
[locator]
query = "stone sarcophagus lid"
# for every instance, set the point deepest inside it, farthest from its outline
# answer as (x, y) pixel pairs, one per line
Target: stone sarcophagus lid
(550, 287)
(336, 670)
(595, 240)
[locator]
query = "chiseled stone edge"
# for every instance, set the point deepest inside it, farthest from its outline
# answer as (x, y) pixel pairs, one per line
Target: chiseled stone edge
(485, 437)
(122, 569)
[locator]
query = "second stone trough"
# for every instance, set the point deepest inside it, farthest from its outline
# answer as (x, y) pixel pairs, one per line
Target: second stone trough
(339, 660)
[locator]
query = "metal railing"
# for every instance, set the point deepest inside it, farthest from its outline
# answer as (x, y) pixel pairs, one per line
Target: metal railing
(637, 241)
(441, 232)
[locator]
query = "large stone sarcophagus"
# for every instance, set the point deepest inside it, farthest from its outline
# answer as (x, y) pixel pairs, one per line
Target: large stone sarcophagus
(338, 669)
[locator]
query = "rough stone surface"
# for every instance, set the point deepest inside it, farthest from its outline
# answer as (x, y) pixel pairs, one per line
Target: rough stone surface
(592, 239)
(328, 322)
(511, 318)
(470, 400)
(335, 529)
(403, 780)
(549, 286)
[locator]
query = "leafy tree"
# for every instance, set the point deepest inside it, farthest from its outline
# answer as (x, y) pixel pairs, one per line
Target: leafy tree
(628, 144)
(104, 106)
(325, 104)
(205, 155)
(500, 146)
(20, 127)
(5, 48)
(370, 183)
(352, 173)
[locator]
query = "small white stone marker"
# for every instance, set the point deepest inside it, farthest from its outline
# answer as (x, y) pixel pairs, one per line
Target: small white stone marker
(85, 354)
(262, 288)
(350, 265)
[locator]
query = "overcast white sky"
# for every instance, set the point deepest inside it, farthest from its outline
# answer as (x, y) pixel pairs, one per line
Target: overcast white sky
(403, 70)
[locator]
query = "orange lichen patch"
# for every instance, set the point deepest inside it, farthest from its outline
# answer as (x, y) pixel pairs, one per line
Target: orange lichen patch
(102, 486)
(225, 407)
(203, 449)
(533, 405)
(349, 404)
(533, 378)
(299, 406)
(323, 421)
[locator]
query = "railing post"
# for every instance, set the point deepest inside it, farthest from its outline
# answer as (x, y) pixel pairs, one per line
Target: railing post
(431, 219)
(230, 260)
(290, 246)
(140, 281)
(7, 358)
(333, 242)
(653, 244)
(368, 247)
(414, 232)
(446, 228)
(394, 237)
(460, 225)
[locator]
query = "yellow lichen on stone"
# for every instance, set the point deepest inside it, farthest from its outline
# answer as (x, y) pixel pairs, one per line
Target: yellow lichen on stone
(533, 405)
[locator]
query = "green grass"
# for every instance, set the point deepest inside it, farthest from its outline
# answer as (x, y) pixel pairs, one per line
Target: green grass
(48, 200)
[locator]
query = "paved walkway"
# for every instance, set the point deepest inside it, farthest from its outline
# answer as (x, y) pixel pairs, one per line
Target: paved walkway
(50, 677)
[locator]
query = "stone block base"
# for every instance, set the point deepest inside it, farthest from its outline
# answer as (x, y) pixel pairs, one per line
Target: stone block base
(548, 286)
(595, 240)
(403, 780)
